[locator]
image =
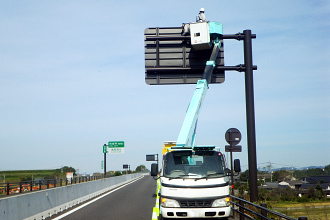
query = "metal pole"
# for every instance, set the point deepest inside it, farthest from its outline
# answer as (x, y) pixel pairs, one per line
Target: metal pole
(232, 171)
(157, 164)
(105, 164)
(231, 163)
(8, 188)
(241, 208)
(250, 119)
(264, 212)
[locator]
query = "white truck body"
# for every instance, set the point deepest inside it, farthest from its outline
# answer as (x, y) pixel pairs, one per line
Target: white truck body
(194, 184)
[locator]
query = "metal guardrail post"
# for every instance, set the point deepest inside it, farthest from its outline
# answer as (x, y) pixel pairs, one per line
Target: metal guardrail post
(8, 188)
(20, 187)
(264, 212)
(241, 209)
(31, 186)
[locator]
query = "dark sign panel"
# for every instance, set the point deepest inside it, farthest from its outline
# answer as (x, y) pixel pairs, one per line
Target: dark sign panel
(170, 58)
(235, 148)
(151, 157)
(125, 166)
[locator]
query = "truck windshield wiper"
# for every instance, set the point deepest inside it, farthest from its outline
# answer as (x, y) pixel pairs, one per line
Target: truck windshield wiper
(183, 175)
(190, 174)
(208, 175)
(211, 174)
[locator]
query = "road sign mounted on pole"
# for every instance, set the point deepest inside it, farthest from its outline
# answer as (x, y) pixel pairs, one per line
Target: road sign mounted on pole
(105, 149)
(151, 157)
(171, 59)
(116, 147)
(235, 148)
(233, 136)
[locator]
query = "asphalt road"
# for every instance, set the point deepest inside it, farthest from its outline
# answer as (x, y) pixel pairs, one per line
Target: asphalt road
(131, 202)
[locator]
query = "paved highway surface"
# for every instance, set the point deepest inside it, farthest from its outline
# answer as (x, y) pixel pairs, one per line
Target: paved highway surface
(134, 201)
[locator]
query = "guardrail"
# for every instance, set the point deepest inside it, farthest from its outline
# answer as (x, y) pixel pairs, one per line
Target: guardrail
(46, 203)
(29, 186)
(246, 209)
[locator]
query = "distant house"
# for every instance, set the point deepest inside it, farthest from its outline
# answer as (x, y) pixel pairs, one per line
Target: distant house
(302, 185)
(269, 185)
(316, 179)
(313, 181)
(324, 186)
(294, 184)
(283, 185)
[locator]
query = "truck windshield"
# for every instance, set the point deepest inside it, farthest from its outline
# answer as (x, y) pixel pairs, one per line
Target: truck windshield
(197, 164)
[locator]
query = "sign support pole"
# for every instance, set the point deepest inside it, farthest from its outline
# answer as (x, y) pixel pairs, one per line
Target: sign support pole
(250, 119)
(232, 171)
(105, 159)
(105, 164)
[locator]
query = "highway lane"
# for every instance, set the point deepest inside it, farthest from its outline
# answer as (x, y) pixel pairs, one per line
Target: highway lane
(131, 202)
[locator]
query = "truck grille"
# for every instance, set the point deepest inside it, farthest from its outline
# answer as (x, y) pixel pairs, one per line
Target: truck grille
(195, 203)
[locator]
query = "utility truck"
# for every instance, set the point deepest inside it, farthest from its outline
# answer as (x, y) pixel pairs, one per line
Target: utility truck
(194, 180)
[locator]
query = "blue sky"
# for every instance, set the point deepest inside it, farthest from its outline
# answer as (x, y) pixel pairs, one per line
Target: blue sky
(72, 79)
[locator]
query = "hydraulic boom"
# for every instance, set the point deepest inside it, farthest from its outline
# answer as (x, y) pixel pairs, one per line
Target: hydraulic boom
(187, 134)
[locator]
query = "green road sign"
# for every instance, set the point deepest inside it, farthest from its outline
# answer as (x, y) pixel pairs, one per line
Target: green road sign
(105, 150)
(115, 144)
(116, 147)
(102, 162)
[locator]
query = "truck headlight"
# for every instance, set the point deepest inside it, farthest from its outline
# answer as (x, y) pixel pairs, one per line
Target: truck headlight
(221, 202)
(169, 203)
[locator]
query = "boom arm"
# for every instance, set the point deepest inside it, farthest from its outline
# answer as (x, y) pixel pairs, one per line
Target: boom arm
(187, 134)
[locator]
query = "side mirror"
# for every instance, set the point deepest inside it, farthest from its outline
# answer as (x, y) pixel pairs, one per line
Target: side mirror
(237, 165)
(228, 172)
(154, 169)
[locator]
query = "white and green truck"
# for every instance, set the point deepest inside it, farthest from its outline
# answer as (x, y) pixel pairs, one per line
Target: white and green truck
(194, 180)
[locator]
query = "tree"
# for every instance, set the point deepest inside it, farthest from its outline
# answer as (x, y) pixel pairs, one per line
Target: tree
(311, 193)
(319, 192)
(244, 176)
(141, 168)
(281, 175)
(118, 173)
(63, 170)
(288, 194)
(327, 169)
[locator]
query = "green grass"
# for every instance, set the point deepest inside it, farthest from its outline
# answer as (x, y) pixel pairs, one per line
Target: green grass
(317, 210)
(19, 175)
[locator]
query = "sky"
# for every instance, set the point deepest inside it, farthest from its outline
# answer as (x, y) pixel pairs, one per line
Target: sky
(72, 79)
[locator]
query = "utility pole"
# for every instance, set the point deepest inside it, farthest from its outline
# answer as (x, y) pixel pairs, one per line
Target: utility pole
(270, 171)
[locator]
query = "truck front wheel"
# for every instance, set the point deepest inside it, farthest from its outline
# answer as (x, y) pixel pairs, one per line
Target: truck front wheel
(160, 217)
